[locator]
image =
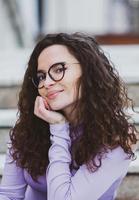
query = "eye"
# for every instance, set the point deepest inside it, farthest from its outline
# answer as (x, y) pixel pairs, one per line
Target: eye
(58, 68)
(41, 77)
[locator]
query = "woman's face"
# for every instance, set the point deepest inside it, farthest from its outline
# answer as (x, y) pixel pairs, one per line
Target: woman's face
(60, 95)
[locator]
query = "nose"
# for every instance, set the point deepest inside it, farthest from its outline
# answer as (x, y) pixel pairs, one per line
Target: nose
(48, 82)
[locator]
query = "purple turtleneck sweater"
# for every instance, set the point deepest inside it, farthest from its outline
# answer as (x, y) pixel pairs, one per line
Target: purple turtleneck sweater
(61, 183)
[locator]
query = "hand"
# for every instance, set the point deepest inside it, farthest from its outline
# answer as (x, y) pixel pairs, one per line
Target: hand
(42, 110)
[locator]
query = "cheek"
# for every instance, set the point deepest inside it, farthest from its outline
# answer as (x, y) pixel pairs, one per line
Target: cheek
(72, 91)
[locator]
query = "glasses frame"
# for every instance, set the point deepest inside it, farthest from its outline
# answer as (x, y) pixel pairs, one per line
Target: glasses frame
(64, 69)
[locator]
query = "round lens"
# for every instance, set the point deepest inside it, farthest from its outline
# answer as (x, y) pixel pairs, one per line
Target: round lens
(56, 72)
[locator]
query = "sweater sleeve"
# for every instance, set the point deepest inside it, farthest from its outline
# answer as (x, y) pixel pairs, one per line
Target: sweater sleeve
(84, 184)
(13, 185)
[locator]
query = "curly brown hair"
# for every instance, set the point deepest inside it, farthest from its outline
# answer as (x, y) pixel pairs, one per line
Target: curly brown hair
(100, 110)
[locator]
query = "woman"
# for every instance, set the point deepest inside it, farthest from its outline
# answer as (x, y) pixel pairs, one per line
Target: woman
(72, 140)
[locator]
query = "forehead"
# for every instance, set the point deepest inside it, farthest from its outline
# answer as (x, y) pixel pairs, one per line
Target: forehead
(54, 54)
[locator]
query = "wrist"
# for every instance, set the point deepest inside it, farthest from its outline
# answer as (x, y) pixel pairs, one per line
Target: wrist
(60, 130)
(61, 121)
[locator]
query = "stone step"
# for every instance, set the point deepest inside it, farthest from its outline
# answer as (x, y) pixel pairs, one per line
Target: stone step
(2, 161)
(124, 57)
(129, 187)
(4, 138)
(134, 166)
(133, 92)
(8, 118)
(9, 95)
(134, 115)
(12, 66)
(128, 190)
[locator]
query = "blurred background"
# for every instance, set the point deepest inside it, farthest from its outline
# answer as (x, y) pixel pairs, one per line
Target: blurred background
(115, 25)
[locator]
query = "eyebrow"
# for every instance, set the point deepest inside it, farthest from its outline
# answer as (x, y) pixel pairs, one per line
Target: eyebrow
(41, 70)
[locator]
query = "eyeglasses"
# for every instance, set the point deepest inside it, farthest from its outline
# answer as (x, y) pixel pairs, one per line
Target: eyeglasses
(56, 72)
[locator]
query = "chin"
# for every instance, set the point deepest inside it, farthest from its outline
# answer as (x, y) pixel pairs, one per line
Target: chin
(56, 107)
(59, 107)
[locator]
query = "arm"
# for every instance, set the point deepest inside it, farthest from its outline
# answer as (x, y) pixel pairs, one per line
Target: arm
(83, 185)
(13, 184)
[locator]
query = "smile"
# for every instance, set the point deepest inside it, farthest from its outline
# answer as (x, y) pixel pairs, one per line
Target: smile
(53, 95)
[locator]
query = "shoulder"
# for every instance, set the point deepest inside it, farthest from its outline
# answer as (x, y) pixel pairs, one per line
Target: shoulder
(114, 164)
(114, 159)
(115, 155)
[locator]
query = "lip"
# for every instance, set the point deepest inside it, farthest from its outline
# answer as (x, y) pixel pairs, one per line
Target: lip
(53, 94)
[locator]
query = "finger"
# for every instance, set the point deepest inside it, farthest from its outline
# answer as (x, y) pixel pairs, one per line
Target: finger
(46, 104)
(41, 103)
(41, 107)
